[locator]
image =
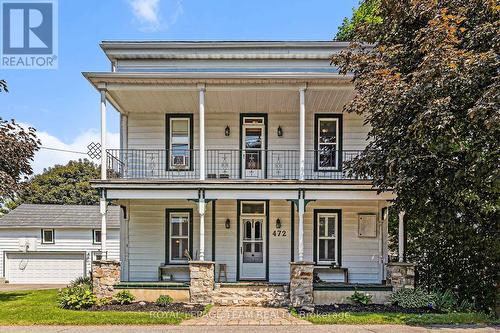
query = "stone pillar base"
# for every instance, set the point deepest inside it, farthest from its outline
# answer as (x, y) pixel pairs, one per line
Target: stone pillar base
(202, 276)
(400, 275)
(301, 283)
(105, 274)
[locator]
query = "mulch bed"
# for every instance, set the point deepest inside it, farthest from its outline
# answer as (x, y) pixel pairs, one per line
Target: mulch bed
(151, 306)
(376, 308)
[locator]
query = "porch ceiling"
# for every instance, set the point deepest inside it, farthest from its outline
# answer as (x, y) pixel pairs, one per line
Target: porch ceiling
(161, 95)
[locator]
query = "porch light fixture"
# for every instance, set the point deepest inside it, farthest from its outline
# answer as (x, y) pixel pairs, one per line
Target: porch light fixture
(227, 131)
(228, 223)
(280, 131)
(278, 223)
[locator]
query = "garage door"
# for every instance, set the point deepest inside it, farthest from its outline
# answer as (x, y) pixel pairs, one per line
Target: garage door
(44, 267)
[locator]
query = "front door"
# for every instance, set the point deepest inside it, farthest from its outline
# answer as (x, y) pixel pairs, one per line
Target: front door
(253, 143)
(253, 243)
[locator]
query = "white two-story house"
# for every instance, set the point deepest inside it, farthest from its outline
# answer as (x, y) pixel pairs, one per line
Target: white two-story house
(234, 153)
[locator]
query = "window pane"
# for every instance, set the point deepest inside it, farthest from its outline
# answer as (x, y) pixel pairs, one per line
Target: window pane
(327, 131)
(253, 208)
(180, 127)
(322, 246)
(174, 249)
(252, 160)
(248, 229)
(184, 247)
(97, 236)
(331, 227)
(258, 230)
(253, 138)
(322, 223)
(331, 249)
(48, 236)
(258, 247)
(327, 156)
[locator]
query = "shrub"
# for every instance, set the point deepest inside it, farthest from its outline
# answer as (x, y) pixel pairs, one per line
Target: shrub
(81, 281)
(124, 297)
(104, 301)
(164, 300)
(412, 298)
(445, 301)
(76, 297)
(360, 298)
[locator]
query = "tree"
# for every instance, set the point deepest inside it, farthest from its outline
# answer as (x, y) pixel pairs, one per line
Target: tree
(429, 88)
(366, 13)
(17, 147)
(63, 184)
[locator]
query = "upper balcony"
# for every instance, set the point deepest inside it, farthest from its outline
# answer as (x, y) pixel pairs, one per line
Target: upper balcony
(229, 164)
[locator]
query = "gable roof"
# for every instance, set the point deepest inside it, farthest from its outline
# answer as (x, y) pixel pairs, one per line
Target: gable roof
(50, 216)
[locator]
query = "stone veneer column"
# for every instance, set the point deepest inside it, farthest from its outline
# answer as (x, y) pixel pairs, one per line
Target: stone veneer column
(202, 276)
(301, 283)
(400, 275)
(105, 274)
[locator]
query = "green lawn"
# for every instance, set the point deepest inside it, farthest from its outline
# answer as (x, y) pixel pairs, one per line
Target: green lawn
(40, 307)
(401, 319)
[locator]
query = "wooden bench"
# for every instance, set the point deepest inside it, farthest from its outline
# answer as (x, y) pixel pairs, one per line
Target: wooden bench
(165, 268)
(344, 271)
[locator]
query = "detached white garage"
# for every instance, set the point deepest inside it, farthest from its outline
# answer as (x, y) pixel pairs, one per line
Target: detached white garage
(44, 267)
(54, 244)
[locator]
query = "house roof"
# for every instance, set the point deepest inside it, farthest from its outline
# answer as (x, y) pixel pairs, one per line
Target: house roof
(116, 50)
(56, 216)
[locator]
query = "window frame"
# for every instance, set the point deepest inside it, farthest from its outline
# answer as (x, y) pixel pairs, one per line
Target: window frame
(338, 237)
(53, 236)
(168, 132)
(168, 234)
(94, 241)
(339, 120)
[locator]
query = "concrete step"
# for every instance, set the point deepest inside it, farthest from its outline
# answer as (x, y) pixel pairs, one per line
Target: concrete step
(251, 294)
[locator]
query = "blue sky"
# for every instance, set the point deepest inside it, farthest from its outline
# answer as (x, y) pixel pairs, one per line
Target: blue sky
(64, 108)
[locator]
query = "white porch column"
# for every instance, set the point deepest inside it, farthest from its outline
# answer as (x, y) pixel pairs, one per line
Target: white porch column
(201, 210)
(401, 237)
(123, 131)
(302, 134)
(103, 209)
(202, 132)
(301, 229)
(103, 134)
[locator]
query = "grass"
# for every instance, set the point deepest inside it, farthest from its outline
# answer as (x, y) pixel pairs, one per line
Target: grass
(362, 318)
(41, 307)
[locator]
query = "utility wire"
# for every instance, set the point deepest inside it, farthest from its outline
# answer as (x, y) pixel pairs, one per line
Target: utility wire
(64, 150)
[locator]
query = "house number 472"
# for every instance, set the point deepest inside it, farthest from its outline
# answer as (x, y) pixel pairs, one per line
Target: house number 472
(279, 233)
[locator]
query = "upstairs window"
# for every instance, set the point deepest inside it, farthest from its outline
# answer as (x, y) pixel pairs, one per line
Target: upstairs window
(96, 236)
(328, 142)
(47, 236)
(180, 141)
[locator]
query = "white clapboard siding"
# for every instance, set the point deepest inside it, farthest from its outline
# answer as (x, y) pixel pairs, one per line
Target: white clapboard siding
(147, 239)
(147, 234)
(359, 255)
(66, 239)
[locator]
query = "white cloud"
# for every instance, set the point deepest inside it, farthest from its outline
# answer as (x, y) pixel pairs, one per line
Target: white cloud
(149, 13)
(45, 158)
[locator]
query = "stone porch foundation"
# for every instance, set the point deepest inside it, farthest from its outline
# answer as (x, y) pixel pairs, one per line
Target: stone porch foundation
(202, 277)
(251, 294)
(400, 275)
(105, 274)
(301, 283)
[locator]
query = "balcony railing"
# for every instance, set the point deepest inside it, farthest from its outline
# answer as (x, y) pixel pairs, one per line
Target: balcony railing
(248, 164)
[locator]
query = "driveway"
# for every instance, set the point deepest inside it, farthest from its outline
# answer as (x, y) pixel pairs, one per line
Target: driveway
(18, 287)
(245, 329)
